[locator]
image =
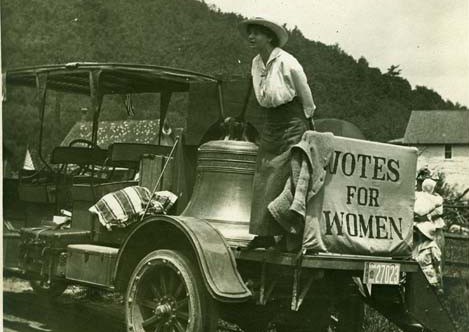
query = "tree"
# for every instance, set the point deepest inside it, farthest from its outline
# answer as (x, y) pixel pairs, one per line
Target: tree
(394, 71)
(196, 38)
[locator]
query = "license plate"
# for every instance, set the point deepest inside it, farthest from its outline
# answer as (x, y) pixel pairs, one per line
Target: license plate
(381, 273)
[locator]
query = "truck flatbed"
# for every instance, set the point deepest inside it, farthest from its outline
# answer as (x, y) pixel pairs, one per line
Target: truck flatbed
(320, 261)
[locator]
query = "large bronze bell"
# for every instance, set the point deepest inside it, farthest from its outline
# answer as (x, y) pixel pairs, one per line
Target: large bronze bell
(223, 187)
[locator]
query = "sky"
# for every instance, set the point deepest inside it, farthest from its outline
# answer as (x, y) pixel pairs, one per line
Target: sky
(429, 39)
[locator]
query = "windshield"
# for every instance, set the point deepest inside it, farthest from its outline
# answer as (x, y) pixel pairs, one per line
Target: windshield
(130, 118)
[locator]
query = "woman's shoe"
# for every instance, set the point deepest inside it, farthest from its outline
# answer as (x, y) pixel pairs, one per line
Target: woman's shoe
(261, 242)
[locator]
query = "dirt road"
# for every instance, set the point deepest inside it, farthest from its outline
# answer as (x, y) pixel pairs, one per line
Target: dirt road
(75, 311)
(79, 310)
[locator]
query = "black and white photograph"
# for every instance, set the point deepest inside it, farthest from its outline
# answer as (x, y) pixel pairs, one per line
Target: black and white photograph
(235, 165)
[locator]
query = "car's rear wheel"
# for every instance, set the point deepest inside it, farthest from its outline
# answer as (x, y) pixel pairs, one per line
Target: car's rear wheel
(166, 293)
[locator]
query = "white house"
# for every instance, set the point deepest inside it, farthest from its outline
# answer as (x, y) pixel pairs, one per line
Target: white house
(442, 138)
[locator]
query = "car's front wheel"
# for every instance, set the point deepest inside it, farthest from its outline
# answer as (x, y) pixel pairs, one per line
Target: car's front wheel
(166, 292)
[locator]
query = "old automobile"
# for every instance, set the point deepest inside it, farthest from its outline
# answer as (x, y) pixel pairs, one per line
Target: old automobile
(183, 270)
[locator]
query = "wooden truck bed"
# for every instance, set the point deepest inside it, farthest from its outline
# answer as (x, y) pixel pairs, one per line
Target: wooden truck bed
(320, 261)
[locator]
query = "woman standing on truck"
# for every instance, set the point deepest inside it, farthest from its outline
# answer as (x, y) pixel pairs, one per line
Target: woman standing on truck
(282, 90)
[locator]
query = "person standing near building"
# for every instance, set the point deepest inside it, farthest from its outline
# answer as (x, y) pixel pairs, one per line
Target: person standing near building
(429, 241)
(281, 89)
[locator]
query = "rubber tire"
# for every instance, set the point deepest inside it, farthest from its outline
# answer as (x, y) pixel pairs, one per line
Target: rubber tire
(56, 288)
(204, 316)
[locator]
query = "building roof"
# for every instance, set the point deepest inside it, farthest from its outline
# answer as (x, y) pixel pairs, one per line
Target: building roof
(438, 127)
(397, 141)
(124, 131)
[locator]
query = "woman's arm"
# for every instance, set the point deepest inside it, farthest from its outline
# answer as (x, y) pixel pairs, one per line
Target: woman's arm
(303, 91)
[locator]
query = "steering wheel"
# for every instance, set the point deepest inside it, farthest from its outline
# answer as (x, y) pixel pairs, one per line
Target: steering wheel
(83, 141)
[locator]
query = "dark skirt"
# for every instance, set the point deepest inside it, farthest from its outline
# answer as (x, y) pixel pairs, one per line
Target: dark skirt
(284, 126)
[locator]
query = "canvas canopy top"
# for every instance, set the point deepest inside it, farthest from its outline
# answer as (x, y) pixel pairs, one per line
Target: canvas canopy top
(110, 78)
(99, 79)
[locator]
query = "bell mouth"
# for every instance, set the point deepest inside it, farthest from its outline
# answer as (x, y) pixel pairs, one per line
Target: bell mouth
(235, 232)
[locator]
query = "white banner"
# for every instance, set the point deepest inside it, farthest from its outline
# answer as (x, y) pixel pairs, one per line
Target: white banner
(366, 204)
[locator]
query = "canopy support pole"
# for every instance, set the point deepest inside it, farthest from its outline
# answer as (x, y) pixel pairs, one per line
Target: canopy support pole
(96, 102)
(41, 86)
(165, 98)
(221, 101)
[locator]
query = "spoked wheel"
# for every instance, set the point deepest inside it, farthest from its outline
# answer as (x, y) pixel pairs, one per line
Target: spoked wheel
(48, 289)
(166, 293)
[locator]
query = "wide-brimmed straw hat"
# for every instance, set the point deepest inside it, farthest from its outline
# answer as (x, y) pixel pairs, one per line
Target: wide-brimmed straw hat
(427, 228)
(276, 28)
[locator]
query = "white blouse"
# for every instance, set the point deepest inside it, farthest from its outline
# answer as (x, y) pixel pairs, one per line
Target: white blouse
(280, 80)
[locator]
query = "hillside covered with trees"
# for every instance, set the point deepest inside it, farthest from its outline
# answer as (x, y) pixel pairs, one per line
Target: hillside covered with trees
(191, 35)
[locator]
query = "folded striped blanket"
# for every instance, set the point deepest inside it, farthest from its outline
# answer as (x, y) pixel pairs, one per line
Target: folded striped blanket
(124, 207)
